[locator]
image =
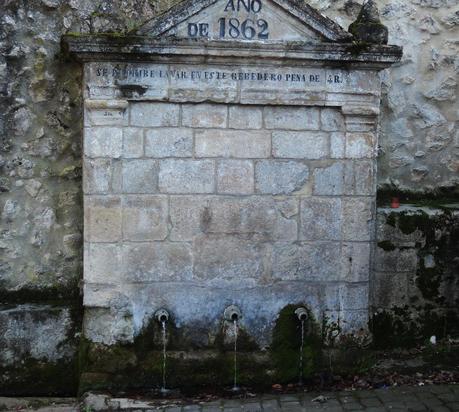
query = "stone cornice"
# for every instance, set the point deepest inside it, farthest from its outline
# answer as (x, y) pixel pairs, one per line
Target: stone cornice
(88, 48)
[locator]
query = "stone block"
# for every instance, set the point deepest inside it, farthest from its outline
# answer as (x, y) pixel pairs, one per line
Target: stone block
(103, 142)
(360, 145)
(145, 218)
(354, 296)
(300, 145)
(358, 219)
(307, 261)
(224, 259)
(151, 114)
(356, 262)
(132, 142)
(332, 120)
(321, 219)
(102, 263)
(390, 290)
(337, 145)
(187, 176)
(97, 176)
(140, 176)
(334, 180)
(205, 115)
(233, 143)
(35, 331)
(106, 117)
(350, 322)
(102, 215)
(235, 177)
(292, 118)
(398, 260)
(361, 123)
(271, 219)
(188, 215)
(109, 326)
(280, 177)
(245, 117)
(165, 142)
(157, 262)
(365, 180)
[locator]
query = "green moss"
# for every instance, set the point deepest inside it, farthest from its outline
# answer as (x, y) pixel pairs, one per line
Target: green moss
(358, 47)
(286, 343)
(61, 294)
(432, 198)
(387, 246)
(392, 330)
(392, 219)
(410, 222)
(38, 378)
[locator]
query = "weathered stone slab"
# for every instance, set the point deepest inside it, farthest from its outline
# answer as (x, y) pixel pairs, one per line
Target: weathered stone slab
(334, 180)
(103, 142)
(270, 219)
(356, 261)
(132, 142)
(169, 142)
(337, 145)
(187, 176)
(97, 176)
(156, 262)
(235, 177)
(145, 218)
(223, 259)
(321, 219)
(204, 115)
(155, 114)
(37, 332)
(280, 177)
(397, 260)
(102, 218)
(102, 263)
(318, 261)
(300, 145)
(292, 118)
(140, 176)
(242, 144)
(358, 214)
(332, 120)
(390, 289)
(245, 117)
(360, 145)
(109, 116)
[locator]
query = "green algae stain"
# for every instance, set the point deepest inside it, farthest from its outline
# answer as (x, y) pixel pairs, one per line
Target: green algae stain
(286, 343)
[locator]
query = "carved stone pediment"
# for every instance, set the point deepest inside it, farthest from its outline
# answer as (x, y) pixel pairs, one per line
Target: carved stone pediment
(246, 20)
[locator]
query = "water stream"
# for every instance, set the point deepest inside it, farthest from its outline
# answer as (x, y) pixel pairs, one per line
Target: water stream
(163, 323)
(301, 353)
(235, 387)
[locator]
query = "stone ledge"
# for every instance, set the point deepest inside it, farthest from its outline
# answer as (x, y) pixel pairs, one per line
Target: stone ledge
(105, 47)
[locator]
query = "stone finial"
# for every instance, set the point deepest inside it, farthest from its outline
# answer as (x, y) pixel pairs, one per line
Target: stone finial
(368, 27)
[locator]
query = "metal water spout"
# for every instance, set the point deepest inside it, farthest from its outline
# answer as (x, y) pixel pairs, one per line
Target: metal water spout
(302, 314)
(162, 315)
(232, 313)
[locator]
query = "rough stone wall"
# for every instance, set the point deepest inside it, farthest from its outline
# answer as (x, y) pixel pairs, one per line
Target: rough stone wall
(419, 130)
(41, 127)
(415, 291)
